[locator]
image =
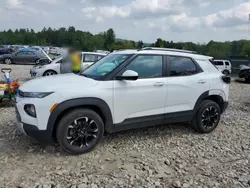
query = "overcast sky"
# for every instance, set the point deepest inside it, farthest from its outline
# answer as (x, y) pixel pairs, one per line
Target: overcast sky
(147, 20)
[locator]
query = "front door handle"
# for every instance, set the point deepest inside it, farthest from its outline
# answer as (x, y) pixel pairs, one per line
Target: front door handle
(158, 84)
(202, 81)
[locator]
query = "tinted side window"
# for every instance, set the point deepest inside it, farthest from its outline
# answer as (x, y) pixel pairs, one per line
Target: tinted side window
(21, 54)
(147, 66)
(218, 63)
(227, 63)
(30, 53)
(89, 58)
(181, 66)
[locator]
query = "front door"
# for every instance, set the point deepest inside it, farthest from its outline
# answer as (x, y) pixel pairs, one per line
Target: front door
(145, 98)
(19, 57)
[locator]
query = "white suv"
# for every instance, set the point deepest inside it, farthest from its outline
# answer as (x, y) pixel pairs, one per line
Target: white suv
(224, 66)
(53, 68)
(124, 90)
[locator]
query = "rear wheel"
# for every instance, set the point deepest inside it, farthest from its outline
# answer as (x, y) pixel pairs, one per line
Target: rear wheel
(207, 117)
(50, 73)
(248, 80)
(79, 131)
(8, 61)
(226, 72)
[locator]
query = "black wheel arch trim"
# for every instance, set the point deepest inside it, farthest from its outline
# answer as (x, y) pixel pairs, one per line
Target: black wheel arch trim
(204, 96)
(81, 102)
(49, 71)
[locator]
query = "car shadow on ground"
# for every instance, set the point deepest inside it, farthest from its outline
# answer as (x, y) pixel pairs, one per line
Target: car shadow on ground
(154, 132)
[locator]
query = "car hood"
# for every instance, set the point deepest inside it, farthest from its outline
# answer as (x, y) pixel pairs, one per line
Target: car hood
(57, 83)
(244, 67)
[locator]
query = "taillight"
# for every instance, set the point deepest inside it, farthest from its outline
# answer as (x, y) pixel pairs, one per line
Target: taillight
(226, 79)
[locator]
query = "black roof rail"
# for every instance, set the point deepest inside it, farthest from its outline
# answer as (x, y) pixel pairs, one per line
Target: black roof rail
(169, 49)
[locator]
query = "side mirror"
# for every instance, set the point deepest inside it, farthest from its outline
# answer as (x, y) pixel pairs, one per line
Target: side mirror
(128, 75)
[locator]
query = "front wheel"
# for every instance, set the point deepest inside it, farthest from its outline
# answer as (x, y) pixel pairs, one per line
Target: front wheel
(8, 61)
(226, 72)
(79, 131)
(49, 73)
(37, 61)
(207, 117)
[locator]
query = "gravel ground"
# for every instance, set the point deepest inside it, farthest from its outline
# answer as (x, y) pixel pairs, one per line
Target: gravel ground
(163, 156)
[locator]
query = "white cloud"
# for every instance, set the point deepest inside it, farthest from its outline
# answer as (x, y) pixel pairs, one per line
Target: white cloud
(204, 4)
(12, 4)
(48, 1)
(232, 17)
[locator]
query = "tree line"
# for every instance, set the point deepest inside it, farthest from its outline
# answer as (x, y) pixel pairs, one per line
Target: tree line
(107, 40)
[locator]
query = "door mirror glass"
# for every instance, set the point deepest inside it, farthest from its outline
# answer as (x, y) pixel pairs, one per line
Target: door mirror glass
(128, 75)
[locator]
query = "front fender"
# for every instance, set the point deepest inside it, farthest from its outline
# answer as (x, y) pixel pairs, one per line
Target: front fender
(81, 102)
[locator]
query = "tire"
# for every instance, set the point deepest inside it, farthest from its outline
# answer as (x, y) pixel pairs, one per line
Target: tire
(37, 61)
(8, 61)
(207, 117)
(49, 73)
(226, 72)
(248, 79)
(72, 138)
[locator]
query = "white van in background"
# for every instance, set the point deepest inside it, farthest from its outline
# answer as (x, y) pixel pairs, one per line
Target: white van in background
(54, 67)
(223, 65)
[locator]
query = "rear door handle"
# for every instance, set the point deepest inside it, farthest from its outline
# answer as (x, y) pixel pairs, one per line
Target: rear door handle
(202, 81)
(158, 84)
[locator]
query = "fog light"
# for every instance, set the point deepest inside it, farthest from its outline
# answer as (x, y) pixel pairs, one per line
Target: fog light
(30, 110)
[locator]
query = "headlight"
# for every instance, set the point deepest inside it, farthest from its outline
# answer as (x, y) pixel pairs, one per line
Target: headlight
(34, 94)
(30, 110)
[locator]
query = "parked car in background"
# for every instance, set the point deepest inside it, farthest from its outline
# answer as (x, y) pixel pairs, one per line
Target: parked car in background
(245, 72)
(22, 57)
(6, 51)
(54, 67)
(223, 65)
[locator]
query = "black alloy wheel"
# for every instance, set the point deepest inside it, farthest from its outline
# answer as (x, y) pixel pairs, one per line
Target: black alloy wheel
(207, 117)
(210, 117)
(79, 131)
(82, 132)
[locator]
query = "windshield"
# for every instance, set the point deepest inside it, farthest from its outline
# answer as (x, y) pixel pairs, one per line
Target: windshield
(105, 66)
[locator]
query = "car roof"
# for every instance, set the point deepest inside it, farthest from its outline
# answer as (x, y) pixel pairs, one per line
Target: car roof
(164, 52)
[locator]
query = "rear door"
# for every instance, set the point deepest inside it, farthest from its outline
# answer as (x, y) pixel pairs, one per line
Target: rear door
(228, 65)
(186, 82)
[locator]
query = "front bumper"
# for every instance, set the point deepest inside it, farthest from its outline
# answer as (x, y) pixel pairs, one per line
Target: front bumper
(42, 136)
(36, 127)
